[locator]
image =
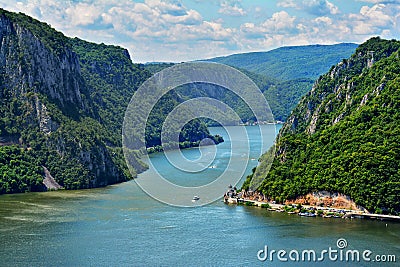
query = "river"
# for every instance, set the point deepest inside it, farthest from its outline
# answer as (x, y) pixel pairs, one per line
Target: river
(120, 225)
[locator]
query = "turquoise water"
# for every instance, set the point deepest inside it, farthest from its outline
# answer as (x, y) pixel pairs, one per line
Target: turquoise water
(122, 226)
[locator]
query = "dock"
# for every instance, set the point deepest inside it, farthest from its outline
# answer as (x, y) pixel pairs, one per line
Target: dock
(372, 216)
(248, 202)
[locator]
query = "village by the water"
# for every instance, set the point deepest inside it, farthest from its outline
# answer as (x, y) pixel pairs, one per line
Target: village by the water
(322, 204)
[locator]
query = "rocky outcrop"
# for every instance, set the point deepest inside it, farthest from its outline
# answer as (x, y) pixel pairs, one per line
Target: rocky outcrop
(46, 124)
(49, 180)
(338, 83)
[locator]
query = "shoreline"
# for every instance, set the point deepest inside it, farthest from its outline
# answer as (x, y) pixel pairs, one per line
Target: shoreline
(317, 204)
(310, 210)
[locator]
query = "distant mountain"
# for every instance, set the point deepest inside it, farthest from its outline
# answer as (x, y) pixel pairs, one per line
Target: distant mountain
(62, 105)
(284, 75)
(291, 62)
(289, 71)
(344, 134)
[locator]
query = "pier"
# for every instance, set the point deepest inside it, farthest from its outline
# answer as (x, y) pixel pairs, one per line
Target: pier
(372, 216)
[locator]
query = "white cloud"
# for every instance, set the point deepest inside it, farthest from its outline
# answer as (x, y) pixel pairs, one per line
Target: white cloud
(83, 14)
(212, 31)
(325, 20)
(250, 31)
(279, 21)
(191, 17)
(231, 9)
(374, 20)
(287, 3)
(376, 15)
(332, 8)
(166, 7)
(315, 7)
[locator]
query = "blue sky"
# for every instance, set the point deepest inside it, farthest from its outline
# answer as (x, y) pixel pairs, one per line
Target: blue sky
(182, 30)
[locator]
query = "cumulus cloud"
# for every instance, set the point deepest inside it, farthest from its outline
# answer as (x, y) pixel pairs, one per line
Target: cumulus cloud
(212, 31)
(287, 3)
(190, 17)
(320, 7)
(374, 20)
(315, 7)
(83, 14)
(279, 21)
(251, 31)
(231, 9)
(324, 20)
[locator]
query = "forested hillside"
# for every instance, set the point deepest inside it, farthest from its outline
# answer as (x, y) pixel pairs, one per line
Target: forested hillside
(343, 136)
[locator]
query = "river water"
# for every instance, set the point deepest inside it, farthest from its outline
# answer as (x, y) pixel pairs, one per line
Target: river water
(122, 226)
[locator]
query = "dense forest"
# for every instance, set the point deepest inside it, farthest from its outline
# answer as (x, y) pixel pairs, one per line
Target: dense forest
(62, 104)
(343, 136)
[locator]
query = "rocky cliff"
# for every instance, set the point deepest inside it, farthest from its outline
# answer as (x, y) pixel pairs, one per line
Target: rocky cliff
(46, 102)
(30, 65)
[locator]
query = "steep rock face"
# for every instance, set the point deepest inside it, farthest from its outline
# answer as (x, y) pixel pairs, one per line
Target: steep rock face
(46, 124)
(46, 103)
(27, 63)
(331, 89)
(343, 135)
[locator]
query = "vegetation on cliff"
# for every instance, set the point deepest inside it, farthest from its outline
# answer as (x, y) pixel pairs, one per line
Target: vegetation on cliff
(343, 136)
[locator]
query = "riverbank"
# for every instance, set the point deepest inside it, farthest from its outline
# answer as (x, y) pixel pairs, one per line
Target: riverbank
(213, 140)
(312, 211)
(301, 210)
(334, 210)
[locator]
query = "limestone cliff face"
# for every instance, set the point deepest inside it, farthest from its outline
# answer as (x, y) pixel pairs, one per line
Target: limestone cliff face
(29, 67)
(46, 124)
(42, 82)
(332, 96)
(27, 63)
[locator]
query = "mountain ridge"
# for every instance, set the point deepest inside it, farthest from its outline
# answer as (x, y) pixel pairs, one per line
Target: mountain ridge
(255, 61)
